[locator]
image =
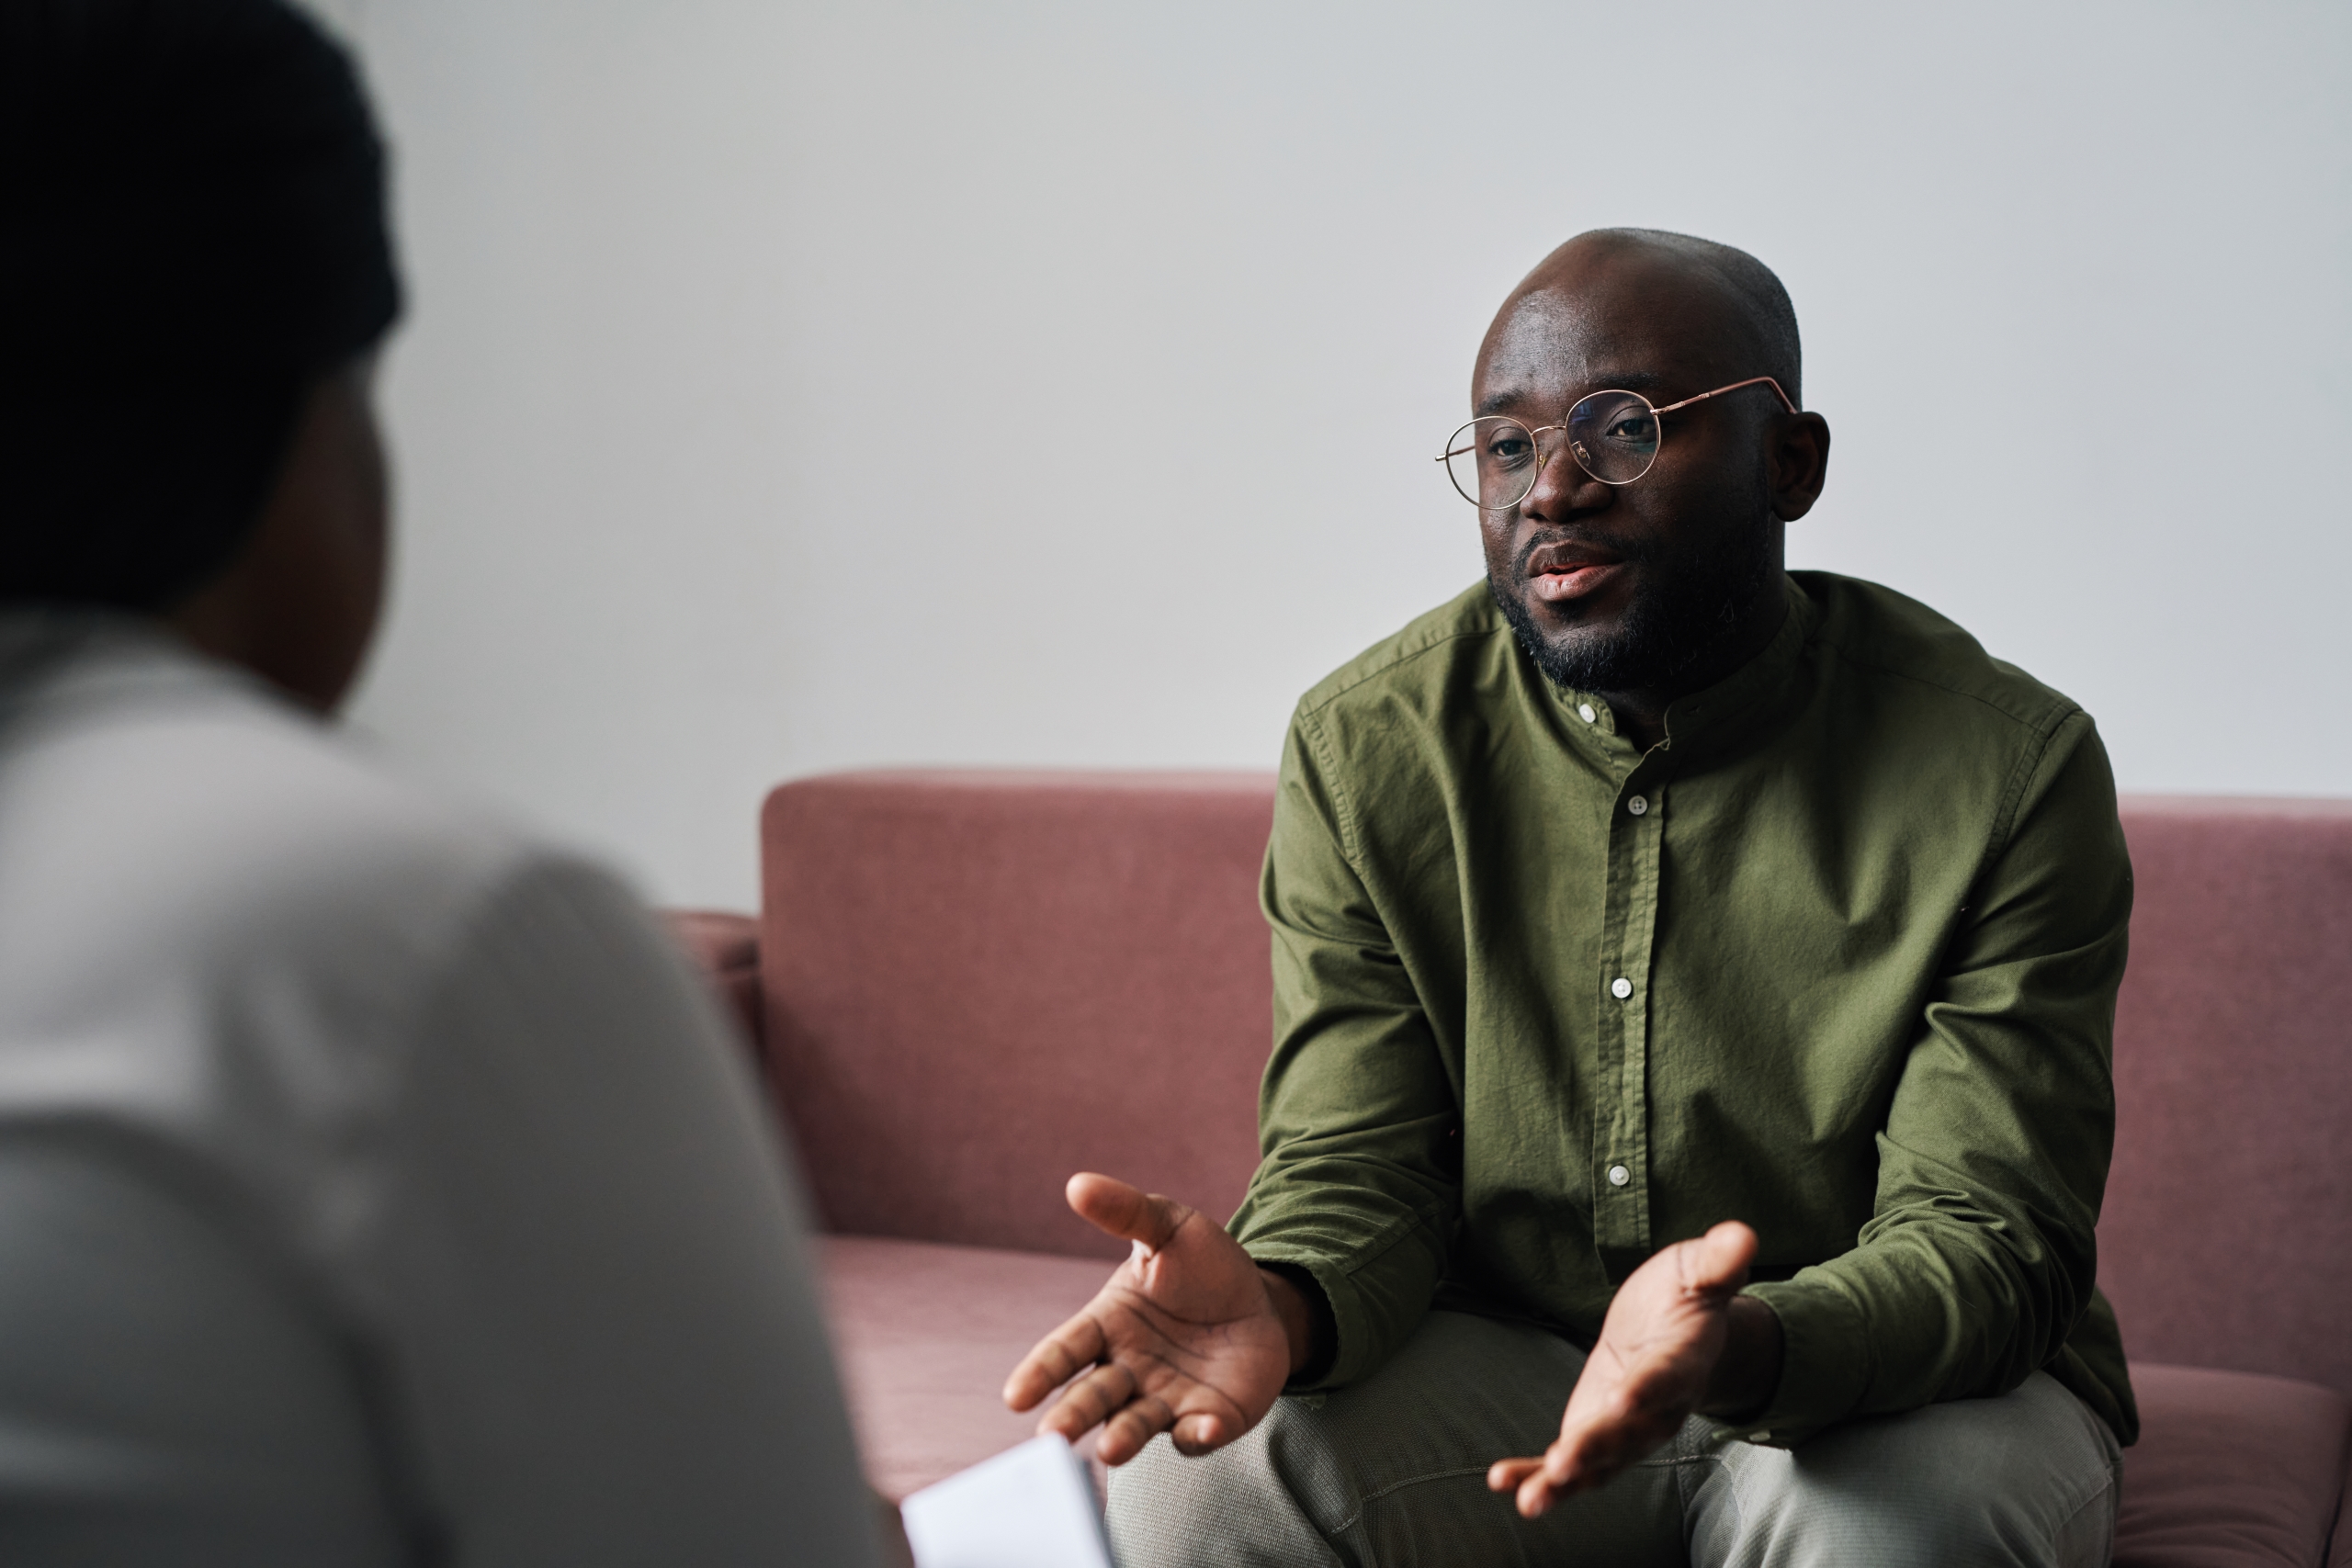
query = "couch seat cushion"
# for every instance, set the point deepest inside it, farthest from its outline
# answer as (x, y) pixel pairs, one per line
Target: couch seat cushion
(2230, 1470)
(927, 1333)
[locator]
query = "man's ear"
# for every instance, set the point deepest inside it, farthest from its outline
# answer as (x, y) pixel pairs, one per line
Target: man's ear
(1799, 460)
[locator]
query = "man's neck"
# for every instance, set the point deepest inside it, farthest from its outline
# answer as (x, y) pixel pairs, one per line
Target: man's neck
(1641, 712)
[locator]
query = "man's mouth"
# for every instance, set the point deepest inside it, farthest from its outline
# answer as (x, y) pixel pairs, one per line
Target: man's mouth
(1557, 573)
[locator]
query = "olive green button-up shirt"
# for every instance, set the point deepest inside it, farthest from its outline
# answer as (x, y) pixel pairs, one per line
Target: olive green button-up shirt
(1838, 958)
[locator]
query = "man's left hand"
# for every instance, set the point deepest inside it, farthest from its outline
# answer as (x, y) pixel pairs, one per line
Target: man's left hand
(1678, 1339)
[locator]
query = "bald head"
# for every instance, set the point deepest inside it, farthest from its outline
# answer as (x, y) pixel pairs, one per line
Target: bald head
(1729, 311)
(1641, 587)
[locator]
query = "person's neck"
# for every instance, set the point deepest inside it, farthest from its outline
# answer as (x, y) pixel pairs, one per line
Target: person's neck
(1641, 712)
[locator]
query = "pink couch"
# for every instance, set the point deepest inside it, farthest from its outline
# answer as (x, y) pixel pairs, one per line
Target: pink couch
(967, 985)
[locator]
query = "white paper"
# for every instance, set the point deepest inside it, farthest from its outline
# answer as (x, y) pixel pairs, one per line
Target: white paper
(1031, 1507)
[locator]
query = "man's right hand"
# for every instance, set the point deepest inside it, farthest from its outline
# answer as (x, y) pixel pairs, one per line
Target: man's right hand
(1190, 1337)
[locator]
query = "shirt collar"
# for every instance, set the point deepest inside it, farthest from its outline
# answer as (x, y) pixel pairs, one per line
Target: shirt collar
(1703, 721)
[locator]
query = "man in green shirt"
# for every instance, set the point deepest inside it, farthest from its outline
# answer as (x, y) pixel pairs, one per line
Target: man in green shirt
(1693, 984)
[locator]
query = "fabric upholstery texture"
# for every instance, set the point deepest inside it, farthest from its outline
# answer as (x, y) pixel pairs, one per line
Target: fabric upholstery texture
(974, 984)
(2227, 1240)
(2230, 1470)
(725, 946)
(978, 984)
(926, 1336)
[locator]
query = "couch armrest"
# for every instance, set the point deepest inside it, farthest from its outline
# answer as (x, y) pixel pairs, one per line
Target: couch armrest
(726, 947)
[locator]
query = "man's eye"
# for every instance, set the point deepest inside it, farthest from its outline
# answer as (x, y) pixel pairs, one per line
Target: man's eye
(1510, 449)
(1631, 431)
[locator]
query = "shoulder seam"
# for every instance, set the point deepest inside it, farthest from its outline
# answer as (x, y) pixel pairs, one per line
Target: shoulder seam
(1401, 659)
(2029, 764)
(2062, 707)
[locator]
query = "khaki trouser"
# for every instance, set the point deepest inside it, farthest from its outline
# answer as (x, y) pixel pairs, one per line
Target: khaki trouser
(1391, 1471)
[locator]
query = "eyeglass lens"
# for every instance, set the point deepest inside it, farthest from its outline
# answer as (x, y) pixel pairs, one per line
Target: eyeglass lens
(1494, 462)
(1614, 435)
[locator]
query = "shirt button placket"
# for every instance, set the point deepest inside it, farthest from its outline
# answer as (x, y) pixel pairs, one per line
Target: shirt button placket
(1641, 825)
(1621, 989)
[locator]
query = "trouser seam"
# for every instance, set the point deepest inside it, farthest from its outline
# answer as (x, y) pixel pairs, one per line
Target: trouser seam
(2109, 1487)
(2096, 1493)
(1676, 1462)
(1738, 1504)
(1369, 1498)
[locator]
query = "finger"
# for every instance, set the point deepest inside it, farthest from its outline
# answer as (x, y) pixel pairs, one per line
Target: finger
(1128, 1213)
(1535, 1500)
(1593, 1413)
(1057, 1357)
(1087, 1401)
(1716, 1263)
(1591, 1455)
(1124, 1434)
(1588, 1443)
(1505, 1475)
(1196, 1435)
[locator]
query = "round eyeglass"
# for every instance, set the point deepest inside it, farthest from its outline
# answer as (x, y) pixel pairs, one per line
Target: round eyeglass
(1495, 460)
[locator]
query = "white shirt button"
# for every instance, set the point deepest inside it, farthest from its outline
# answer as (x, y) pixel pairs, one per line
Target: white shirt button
(1584, 712)
(1637, 804)
(1619, 1176)
(1620, 988)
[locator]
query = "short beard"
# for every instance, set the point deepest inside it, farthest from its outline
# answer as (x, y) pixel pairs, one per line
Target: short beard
(1687, 612)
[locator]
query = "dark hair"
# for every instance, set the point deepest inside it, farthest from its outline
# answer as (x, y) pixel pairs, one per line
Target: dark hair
(192, 234)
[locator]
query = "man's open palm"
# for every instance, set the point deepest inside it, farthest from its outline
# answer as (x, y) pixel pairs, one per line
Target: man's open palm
(1183, 1337)
(1650, 1369)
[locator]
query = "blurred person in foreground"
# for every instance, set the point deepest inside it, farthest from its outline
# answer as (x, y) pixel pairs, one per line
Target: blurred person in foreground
(1689, 1105)
(376, 1187)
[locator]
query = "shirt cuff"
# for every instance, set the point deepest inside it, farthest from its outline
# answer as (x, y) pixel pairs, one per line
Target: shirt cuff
(1350, 1333)
(1825, 1361)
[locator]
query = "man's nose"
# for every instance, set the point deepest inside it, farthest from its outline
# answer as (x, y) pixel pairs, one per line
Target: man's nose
(1560, 481)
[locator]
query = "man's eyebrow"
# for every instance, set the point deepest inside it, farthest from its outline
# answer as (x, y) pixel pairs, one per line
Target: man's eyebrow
(1618, 380)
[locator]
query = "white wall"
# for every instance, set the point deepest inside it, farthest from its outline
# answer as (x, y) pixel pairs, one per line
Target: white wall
(793, 386)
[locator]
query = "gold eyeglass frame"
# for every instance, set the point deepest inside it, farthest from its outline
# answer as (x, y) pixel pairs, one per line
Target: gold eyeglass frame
(1536, 436)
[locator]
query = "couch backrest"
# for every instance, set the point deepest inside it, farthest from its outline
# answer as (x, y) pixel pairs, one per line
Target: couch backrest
(977, 983)
(2227, 1235)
